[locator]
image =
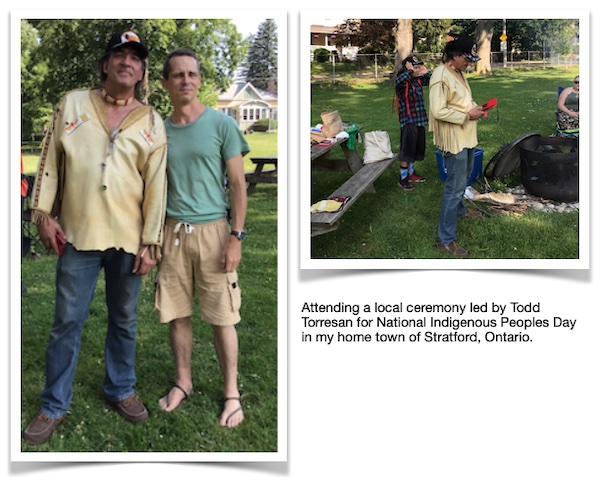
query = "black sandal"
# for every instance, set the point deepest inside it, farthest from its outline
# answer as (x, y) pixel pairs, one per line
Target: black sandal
(185, 396)
(225, 400)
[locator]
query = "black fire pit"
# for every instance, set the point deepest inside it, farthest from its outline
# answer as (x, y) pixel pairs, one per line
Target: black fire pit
(550, 167)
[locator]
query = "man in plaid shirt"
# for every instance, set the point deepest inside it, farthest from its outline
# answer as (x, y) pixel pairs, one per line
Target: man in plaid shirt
(413, 118)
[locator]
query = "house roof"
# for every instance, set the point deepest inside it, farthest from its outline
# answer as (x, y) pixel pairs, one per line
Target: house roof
(323, 29)
(243, 92)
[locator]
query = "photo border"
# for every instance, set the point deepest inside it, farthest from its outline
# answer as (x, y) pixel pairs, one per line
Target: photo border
(316, 17)
(281, 455)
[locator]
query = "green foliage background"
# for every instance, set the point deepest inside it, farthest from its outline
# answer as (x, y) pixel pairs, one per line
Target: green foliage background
(429, 35)
(61, 55)
(262, 56)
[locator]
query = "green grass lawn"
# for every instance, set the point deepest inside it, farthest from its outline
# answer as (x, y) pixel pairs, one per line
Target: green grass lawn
(262, 144)
(396, 224)
(93, 426)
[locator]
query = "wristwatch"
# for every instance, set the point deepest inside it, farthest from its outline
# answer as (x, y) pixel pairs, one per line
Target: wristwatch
(239, 234)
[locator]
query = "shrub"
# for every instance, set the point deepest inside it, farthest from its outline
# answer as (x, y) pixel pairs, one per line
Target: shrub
(263, 125)
(322, 55)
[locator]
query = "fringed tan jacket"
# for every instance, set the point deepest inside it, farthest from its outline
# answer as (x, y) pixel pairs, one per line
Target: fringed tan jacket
(449, 101)
(108, 189)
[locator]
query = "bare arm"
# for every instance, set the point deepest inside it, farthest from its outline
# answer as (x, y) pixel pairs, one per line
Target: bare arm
(232, 253)
(561, 102)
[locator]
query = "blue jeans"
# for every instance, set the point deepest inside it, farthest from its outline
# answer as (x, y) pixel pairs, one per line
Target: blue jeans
(76, 276)
(459, 168)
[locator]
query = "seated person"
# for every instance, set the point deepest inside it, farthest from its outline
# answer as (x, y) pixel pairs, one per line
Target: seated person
(567, 116)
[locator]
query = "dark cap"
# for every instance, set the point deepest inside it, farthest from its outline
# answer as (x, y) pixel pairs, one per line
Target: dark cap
(127, 38)
(465, 45)
(413, 60)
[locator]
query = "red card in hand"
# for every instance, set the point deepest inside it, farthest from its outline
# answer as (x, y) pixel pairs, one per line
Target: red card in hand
(489, 104)
(60, 244)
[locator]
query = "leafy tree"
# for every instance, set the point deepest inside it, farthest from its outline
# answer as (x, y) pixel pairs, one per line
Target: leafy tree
(36, 108)
(372, 36)
(429, 35)
(552, 34)
(382, 36)
(529, 34)
(463, 27)
(402, 36)
(261, 63)
(69, 52)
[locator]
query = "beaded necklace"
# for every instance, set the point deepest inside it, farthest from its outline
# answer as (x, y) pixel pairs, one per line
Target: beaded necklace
(114, 101)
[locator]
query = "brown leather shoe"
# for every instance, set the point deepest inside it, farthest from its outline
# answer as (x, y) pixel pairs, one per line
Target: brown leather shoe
(132, 409)
(454, 248)
(41, 428)
(473, 214)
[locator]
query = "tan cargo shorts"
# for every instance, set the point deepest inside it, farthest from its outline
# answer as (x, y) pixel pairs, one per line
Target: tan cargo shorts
(191, 263)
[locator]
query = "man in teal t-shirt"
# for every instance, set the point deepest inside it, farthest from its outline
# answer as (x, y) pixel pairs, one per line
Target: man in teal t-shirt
(202, 249)
(197, 165)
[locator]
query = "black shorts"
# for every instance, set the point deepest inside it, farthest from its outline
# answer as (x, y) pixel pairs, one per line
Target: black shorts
(412, 143)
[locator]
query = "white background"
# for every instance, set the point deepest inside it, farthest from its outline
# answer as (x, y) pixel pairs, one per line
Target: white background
(415, 410)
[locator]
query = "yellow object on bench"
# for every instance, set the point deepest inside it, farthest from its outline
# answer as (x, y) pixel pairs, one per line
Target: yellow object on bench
(326, 206)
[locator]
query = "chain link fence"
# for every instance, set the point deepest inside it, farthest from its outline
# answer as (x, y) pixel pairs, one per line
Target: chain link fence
(533, 59)
(378, 66)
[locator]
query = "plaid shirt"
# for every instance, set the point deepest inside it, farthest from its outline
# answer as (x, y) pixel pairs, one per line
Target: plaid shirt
(409, 96)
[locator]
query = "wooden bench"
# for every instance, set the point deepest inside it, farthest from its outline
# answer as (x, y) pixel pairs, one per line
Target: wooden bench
(260, 175)
(354, 187)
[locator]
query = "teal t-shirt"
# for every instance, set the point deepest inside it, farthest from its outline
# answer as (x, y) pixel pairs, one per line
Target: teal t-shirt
(196, 158)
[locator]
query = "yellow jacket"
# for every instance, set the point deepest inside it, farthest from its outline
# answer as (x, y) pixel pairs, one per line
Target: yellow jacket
(108, 189)
(449, 101)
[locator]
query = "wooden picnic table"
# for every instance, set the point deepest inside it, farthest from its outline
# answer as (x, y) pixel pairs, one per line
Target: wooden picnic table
(259, 175)
(320, 156)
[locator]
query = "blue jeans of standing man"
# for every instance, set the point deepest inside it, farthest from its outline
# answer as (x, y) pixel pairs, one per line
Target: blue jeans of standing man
(459, 168)
(76, 276)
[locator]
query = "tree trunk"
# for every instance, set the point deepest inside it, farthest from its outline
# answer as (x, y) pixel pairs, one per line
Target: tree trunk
(483, 38)
(404, 41)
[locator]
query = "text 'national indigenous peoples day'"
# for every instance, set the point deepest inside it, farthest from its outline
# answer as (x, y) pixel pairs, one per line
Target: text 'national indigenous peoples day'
(488, 322)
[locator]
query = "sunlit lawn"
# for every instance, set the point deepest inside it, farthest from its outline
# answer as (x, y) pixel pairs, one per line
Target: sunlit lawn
(398, 224)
